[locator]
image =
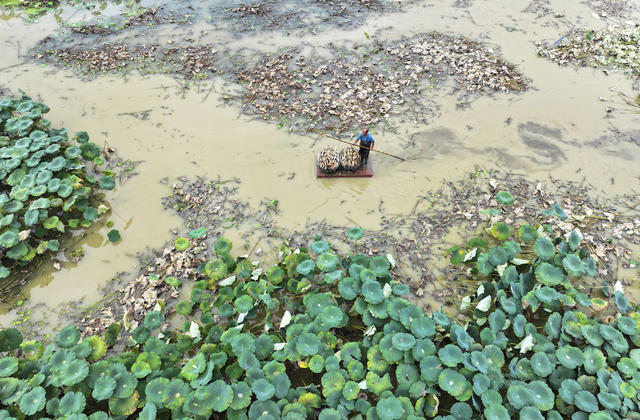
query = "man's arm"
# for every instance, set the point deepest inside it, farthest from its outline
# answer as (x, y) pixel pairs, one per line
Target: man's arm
(357, 138)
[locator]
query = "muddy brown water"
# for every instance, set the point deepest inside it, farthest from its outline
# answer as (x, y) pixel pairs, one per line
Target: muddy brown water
(559, 128)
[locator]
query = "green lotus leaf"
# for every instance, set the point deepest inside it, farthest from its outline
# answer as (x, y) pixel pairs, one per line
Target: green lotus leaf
(316, 363)
(74, 372)
(531, 413)
(519, 396)
(56, 163)
(18, 251)
(505, 197)
(89, 150)
(586, 401)
(181, 244)
(8, 366)
(389, 408)
(484, 266)
(423, 327)
(275, 275)
(491, 397)
(379, 265)
(609, 400)
(153, 320)
(627, 325)
(544, 249)
(263, 389)
(149, 412)
(51, 223)
(452, 382)
(372, 292)
(450, 355)
(568, 389)
(327, 261)
(33, 401)
(31, 217)
(591, 333)
(350, 390)
(542, 396)
(106, 182)
(331, 316)
(243, 342)
(140, 369)
(615, 337)
(31, 350)
(355, 233)
(68, 337)
(547, 294)
(590, 267)
(389, 352)
(553, 325)
(72, 402)
(333, 276)
(594, 360)
(570, 357)
(241, 396)
(124, 406)
(65, 190)
(528, 233)
(306, 267)
(141, 334)
(349, 288)
(157, 391)
(216, 269)
(332, 382)
(498, 255)
(479, 360)
(500, 231)
(308, 344)
(481, 383)
(403, 341)
(103, 388)
(320, 247)
(541, 364)
(243, 304)
(217, 396)
(356, 370)
(598, 305)
(573, 265)
(194, 367)
(222, 246)
(549, 275)
(125, 384)
(198, 233)
(496, 412)
(627, 390)
(9, 238)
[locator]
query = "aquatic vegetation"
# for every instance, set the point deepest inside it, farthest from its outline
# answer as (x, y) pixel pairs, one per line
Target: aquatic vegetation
(48, 185)
(286, 343)
(613, 48)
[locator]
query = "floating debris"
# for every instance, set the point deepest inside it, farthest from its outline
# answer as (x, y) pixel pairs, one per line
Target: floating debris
(616, 48)
(101, 59)
(341, 93)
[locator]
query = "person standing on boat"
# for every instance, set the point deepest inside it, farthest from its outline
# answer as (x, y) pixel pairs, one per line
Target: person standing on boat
(365, 140)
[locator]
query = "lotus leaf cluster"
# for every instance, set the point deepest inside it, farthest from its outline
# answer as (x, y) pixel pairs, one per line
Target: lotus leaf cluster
(49, 183)
(286, 343)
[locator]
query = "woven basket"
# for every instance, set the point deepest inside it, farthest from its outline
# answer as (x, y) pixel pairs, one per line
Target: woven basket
(334, 154)
(353, 163)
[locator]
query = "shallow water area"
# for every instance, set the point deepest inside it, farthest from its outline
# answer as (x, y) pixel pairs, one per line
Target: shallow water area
(559, 128)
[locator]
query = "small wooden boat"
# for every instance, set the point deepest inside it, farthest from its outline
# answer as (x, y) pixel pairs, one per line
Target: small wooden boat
(365, 172)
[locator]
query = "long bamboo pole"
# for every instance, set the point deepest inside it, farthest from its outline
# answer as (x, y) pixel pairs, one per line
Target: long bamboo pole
(364, 147)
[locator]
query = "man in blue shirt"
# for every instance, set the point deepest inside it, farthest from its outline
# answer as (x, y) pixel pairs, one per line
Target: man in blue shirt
(365, 140)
